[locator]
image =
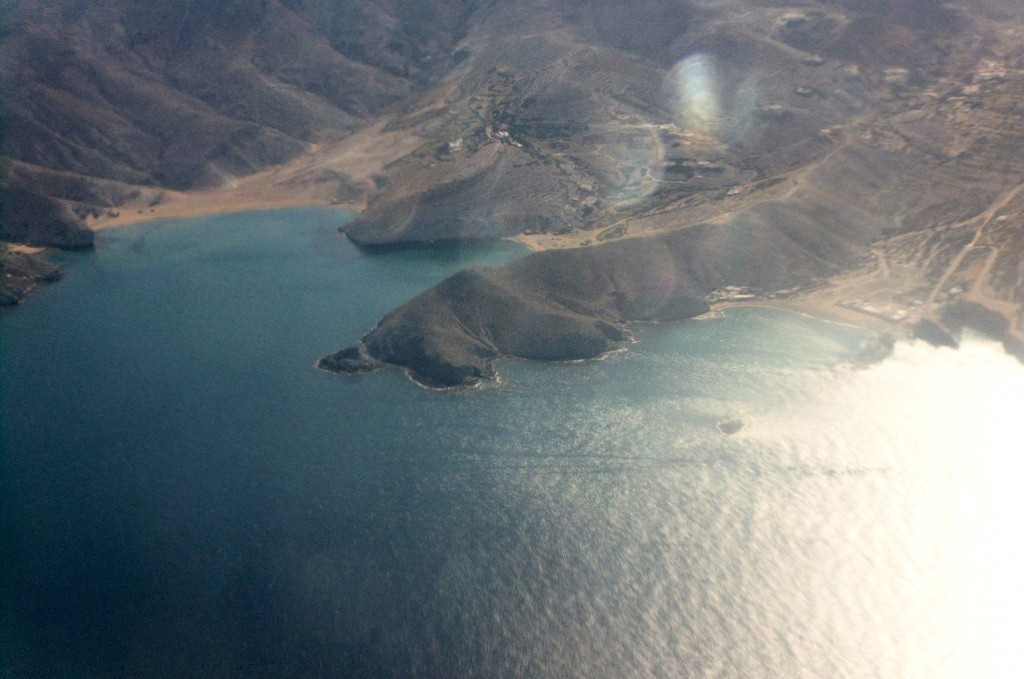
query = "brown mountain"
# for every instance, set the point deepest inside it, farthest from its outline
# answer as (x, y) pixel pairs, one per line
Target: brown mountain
(184, 95)
(773, 150)
(667, 153)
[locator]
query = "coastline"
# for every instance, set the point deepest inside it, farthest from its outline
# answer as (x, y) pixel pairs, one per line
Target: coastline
(826, 302)
(825, 311)
(343, 175)
(262, 192)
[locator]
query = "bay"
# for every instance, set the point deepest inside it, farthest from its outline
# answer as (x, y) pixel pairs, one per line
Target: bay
(183, 494)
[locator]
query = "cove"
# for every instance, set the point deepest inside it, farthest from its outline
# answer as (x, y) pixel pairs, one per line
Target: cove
(183, 495)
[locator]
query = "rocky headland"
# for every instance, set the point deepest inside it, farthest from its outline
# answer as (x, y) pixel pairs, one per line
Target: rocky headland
(578, 303)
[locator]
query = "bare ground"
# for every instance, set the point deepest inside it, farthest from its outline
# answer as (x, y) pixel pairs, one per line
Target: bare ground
(312, 179)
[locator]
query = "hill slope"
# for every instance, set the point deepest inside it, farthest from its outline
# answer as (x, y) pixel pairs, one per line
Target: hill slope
(110, 97)
(684, 150)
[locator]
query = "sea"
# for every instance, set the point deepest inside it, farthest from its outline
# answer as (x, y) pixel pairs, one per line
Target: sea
(183, 494)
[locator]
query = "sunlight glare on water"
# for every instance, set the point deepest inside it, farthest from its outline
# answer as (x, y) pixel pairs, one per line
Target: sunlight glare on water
(916, 566)
(862, 522)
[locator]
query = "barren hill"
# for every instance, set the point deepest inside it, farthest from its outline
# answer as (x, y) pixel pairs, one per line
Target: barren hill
(669, 155)
(774, 152)
(186, 95)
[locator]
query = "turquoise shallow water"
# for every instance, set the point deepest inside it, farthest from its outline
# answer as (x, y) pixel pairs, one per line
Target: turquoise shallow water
(183, 494)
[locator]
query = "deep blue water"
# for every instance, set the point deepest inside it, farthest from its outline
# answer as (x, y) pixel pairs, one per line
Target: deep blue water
(183, 495)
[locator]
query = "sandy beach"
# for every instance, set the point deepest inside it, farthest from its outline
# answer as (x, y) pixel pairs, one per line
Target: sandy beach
(339, 175)
(178, 205)
(824, 310)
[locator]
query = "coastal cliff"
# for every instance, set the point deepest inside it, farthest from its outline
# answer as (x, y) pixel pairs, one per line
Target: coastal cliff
(41, 221)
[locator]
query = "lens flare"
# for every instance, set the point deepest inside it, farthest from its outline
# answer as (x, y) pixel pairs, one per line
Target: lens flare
(715, 99)
(697, 94)
(630, 159)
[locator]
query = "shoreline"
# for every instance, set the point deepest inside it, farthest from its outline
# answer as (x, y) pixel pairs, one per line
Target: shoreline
(822, 303)
(191, 205)
(823, 311)
(182, 209)
(342, 176)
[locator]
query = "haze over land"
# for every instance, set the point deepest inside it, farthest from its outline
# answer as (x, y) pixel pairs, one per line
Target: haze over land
(666, 156)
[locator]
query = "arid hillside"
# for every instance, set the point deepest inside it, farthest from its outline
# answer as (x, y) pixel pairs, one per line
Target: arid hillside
(107, 99)
(862, 158)
(667, 155)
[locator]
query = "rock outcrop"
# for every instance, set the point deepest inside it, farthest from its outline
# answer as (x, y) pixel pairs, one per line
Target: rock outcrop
(21, 273)
(38, 220)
